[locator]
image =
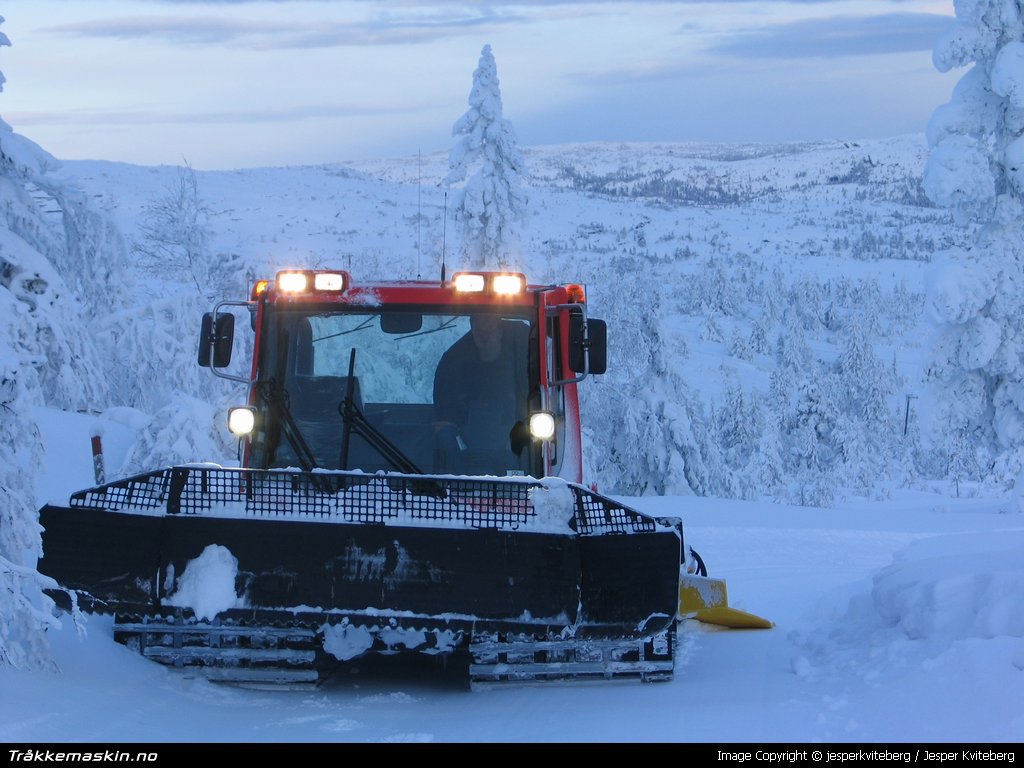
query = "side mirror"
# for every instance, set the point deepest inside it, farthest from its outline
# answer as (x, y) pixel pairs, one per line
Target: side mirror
(215, 340)
(595, 346)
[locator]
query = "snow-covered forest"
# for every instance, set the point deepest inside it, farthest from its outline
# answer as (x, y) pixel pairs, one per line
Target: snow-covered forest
(794, 322)
(766, 305)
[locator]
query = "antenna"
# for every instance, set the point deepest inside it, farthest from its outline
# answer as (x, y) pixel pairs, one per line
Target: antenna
(444, 232)
(419, 155)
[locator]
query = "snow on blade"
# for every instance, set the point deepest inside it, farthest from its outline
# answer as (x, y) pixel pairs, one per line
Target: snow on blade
(207, 585)
(553, 503)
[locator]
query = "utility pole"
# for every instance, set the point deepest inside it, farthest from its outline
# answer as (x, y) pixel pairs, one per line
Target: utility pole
(906, 415)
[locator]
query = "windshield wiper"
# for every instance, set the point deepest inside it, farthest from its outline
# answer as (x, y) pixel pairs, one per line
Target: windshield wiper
(277, 399)
(362, 326)
(450, 322)
(357, 423)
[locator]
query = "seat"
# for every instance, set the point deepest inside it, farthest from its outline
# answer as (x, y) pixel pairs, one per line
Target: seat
(315, 405)
(319, 396)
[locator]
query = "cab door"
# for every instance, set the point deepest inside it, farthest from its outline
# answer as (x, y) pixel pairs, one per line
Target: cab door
(574, 348)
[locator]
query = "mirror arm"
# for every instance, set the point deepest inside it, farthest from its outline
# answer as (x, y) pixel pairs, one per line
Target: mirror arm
(213, 341)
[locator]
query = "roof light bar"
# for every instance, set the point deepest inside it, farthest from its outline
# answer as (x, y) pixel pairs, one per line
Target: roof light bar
(508, 284)
(501, 283)
(466, 282)
(329, 281)
(292, 282)
(306, 281)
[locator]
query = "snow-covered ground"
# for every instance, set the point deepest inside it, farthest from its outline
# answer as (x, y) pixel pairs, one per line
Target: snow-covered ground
(897, 621)
(716, 267)
(898, 607)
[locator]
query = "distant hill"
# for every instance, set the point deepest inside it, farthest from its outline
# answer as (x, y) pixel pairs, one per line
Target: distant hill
(765, 302)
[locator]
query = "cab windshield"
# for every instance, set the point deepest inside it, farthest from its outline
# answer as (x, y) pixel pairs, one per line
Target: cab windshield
(449, 391)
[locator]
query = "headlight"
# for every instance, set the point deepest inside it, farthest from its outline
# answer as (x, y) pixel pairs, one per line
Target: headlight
(241, 420)
(468, 282)
(292, 282)
(305, 281)
(542, 425)
(498, 283)
(508, 284)
(329, 281)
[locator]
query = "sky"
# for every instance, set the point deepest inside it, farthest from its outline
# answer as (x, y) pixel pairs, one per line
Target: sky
(897, 625)
(225, 84)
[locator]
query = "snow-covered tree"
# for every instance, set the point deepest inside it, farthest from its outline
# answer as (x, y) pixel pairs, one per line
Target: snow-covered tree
(812, 434)
(962, 463)
(491, 206)
(791, 350)
(175, 233)
(767, 470)
(154, 341)
(976, 168)
(44, 359)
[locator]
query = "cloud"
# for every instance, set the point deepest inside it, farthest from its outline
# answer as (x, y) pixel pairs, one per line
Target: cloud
(168, 29)
(264, 35)
(149, 117)
(404, 22)
(838, 36)
(832, 37)
(494, 3)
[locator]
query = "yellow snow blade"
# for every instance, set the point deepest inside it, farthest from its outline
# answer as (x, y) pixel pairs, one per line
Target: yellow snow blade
(706, 599)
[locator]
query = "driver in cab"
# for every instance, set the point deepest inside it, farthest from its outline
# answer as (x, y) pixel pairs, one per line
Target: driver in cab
(480, 386)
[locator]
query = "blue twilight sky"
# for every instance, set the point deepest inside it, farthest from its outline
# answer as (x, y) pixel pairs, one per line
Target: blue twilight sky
(241, 83)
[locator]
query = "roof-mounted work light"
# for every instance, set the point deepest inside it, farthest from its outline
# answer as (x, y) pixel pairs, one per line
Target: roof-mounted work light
(305, 281)
(500, 283)
(292, 282)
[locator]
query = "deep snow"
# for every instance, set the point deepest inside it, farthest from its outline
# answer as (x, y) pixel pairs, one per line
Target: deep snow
(896, 621)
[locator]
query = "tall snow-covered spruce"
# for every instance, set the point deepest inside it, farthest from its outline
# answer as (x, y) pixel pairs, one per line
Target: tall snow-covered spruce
(976, 168)
(491, 206)
(47, 357)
